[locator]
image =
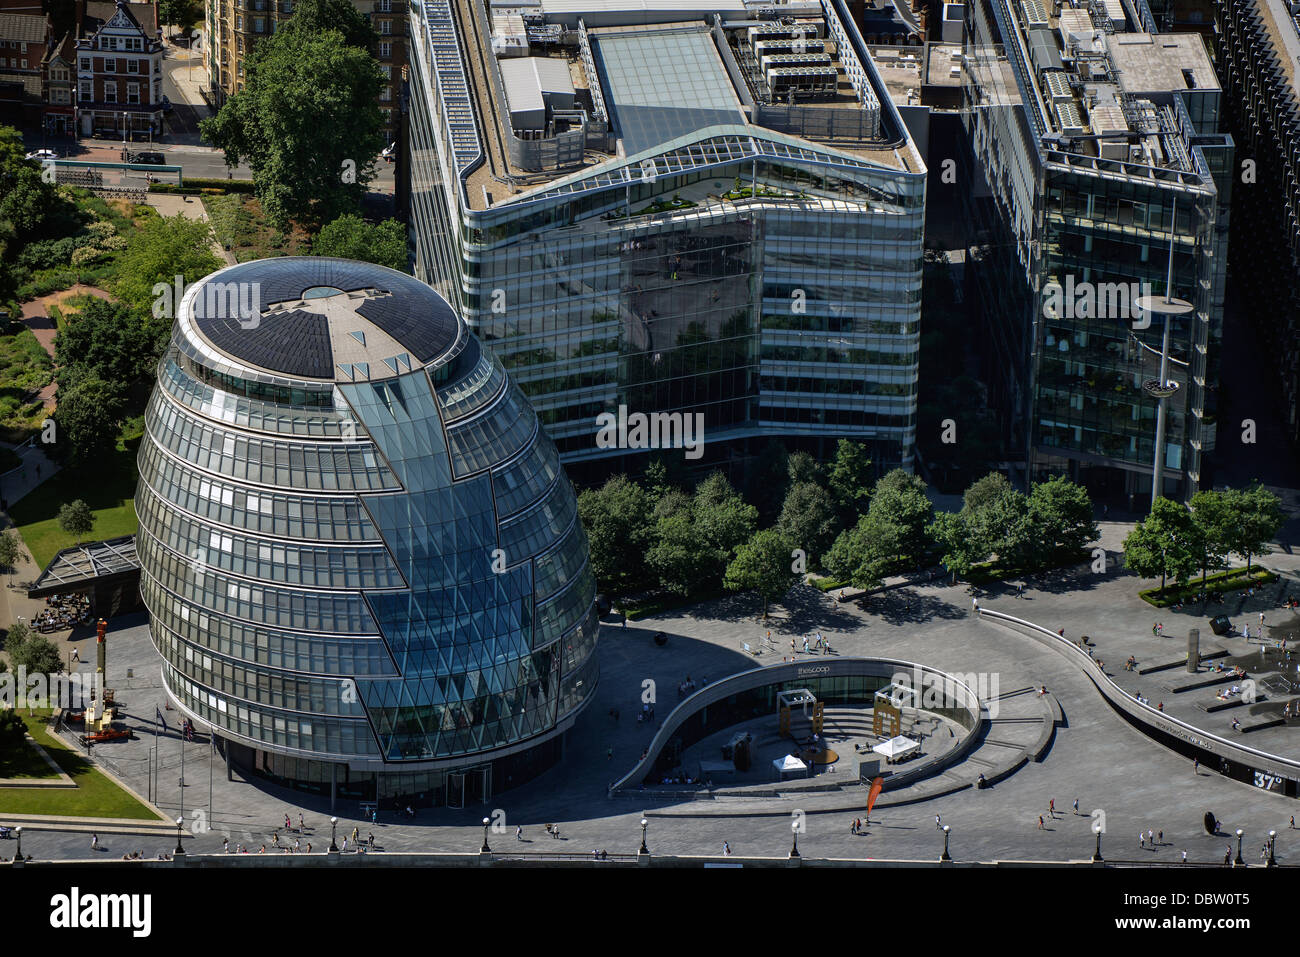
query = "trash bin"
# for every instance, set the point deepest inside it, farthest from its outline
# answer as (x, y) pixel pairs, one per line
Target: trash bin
(1220, 625)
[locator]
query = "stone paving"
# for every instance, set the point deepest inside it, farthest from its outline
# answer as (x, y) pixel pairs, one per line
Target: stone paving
(1115, 772)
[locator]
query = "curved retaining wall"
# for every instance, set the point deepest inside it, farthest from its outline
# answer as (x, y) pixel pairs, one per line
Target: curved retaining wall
(1262, 769)
(964, 699)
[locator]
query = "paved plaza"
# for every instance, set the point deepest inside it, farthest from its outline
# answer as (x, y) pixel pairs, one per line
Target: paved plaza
(1114, 771)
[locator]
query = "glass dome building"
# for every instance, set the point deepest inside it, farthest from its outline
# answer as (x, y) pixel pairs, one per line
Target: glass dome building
(361, 558)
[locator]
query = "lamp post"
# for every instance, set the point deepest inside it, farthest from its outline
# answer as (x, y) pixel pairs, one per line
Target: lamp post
(485, 849)
(1096, 853)
(18, 833)
(644, 824)
(945, 856)
(1272, 839)
(179, 848)
(334, 829)
(1239, 862)
(794, 847)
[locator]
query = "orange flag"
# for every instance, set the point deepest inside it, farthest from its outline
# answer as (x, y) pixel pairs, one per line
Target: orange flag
(877, 786)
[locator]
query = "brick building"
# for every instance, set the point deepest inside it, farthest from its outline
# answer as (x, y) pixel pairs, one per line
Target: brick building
(23, 40)
(119, 70)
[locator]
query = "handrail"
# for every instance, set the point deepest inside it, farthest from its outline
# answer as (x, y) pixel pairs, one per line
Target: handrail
(1111, 690)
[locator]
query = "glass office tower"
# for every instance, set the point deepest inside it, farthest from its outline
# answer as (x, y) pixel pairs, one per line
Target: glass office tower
(361, 558)
(722, 238)
(1096, 155)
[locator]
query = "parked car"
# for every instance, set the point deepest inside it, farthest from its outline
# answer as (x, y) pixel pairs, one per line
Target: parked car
(157, 159)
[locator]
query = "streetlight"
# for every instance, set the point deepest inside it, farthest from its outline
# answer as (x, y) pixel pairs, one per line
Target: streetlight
(18, 833)
(124, 129)
(794, 848)
(945, 856)
(485, 849)
(179, 849)
(1096, 854)
(644, 824)
(334, 829)
(1239, 862)
(1272, 839)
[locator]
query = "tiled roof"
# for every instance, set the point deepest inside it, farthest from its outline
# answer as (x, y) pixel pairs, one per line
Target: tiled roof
(22, 27)
(30, 82)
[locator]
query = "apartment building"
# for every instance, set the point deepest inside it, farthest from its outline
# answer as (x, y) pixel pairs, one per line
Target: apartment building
(233, 28)
(119, 70)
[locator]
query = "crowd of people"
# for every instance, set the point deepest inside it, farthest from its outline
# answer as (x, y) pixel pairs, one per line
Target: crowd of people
(62, 612)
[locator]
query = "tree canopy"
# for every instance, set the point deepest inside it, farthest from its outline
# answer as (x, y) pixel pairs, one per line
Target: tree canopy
(307, 122)
(763, 565)
(351, 237)
(1165, 543)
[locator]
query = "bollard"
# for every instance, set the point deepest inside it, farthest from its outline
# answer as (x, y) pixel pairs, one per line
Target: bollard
(1193, 650)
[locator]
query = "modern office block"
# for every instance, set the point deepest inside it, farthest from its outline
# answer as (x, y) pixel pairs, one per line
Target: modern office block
(1096, 151)
(705, 227)
(361, 558)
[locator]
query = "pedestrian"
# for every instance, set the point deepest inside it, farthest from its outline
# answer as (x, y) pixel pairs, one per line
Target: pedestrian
(356, 835)
(519, 833)
(297, 845)
(76, 654)
(1184, 855)
(1076, 805)
(94, 842)
(936, 821)
(726, 849)
(805, 644)
(1142, 840)
(1051, 808)
(624, 620)
(225, 846)
(275, 838)
(1293, 822)
(301, 825)
(287, 825)
(370, 840)
(1151, 838)
(1040, 823)
(1160, 836)
(609, 753)
(975, 605)
(853, 826)
(792, 648)
(1196, 766)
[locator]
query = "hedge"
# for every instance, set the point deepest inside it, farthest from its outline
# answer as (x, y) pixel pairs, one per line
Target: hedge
(197, 185)
(1231, 580)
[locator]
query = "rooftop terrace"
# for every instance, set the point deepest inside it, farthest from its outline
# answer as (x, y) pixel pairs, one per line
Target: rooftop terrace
(644, 73)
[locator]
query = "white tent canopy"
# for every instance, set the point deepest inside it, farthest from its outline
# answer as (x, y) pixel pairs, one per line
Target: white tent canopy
(788, 764)
(895, 748)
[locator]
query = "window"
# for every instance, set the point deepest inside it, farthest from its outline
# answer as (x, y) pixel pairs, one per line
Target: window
(110, 66)
(110, 92)
(239, 21)
(85, 92)
(385, 6)
(386, 94)
(387, 71)
(60, 97)
(85, 64)
(385, 50)
(259, 25)
(132, 66)
(133, 93)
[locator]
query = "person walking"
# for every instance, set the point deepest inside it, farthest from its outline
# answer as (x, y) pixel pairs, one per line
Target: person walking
(519, 833)
(805, 644)
(1184, 855)
(301, 826)
(1076, 805)
(1051, 808)
(1142, 840)
(94, 842)
(726, 849)
(1040, 823)
(1151, 838)
(1196, 766)
(936, 821)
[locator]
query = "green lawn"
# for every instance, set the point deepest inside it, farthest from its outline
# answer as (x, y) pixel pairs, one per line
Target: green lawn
(24, 762)
(108, 488)
(95, 795)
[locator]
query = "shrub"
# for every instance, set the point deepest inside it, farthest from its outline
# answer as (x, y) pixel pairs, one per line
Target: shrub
(86, 254)
(101, 229)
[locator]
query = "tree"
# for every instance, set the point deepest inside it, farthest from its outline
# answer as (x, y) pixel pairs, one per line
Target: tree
(1006, 527)
(617, 521)
(802, 467)
(679, 556)
(312, 17)
(37, 654)
(693, 545)
(11, 551)
(16, 636)
(962, 549)
(985, 491)
(13, 731)
(1165, 543)
(76, 518)
(808, 519)
(88, 415)
(763, 565)
(307, 122)
(890, 538)
(1214, 520)
(27, 201)
(1061, 514)
(849, 480)
(178, 13)
(1256, 516)
(164, 248)
(351, 237)
(108, 341)
(724, 518)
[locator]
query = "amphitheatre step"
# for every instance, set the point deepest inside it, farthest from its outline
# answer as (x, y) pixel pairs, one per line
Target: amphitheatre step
(1166, 664)
(1214, 705)
(1203, 680)
(1261, 725)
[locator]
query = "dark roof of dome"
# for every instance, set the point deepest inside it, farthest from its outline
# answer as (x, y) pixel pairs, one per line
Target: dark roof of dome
(296, 342)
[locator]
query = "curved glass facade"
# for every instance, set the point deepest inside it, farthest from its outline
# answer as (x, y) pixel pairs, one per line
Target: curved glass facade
(381, 569)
